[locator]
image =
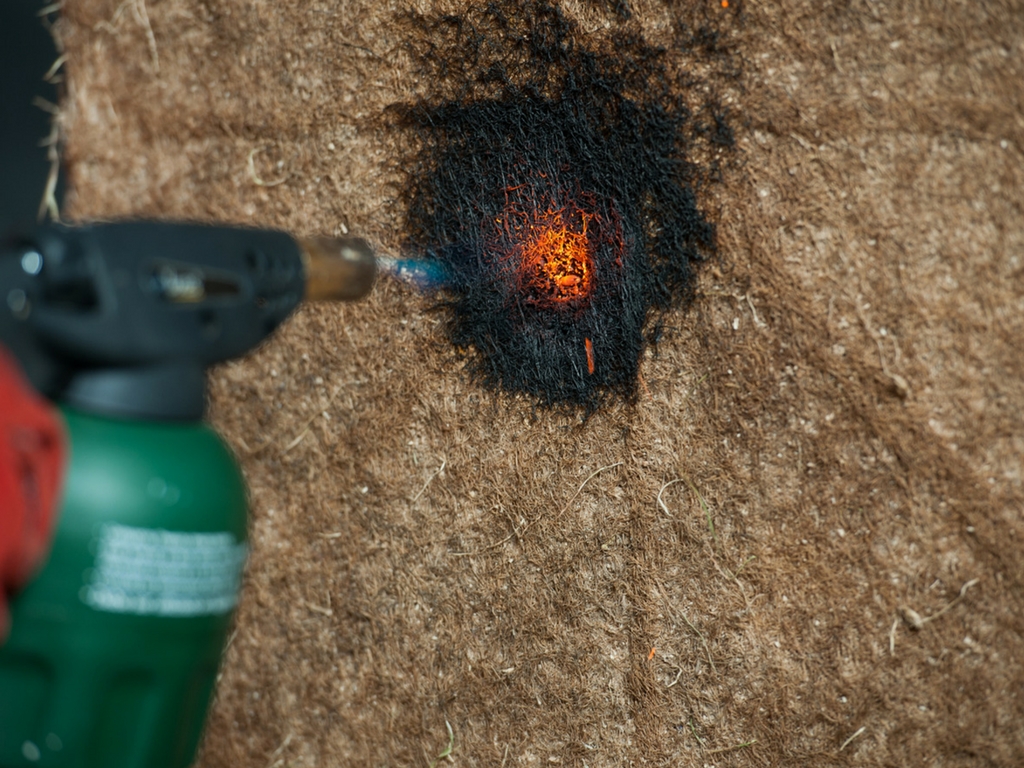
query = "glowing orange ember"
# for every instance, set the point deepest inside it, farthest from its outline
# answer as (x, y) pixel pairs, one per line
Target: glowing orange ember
(556, 264)
(590, 355)
(550, 241)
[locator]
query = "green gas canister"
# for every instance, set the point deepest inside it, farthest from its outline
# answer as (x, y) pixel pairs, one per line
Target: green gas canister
(115, 646)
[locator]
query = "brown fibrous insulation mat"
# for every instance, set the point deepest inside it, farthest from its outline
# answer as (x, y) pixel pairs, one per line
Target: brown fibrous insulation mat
(803, 545)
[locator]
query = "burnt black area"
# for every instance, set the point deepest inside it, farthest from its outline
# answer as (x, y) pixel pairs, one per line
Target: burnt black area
(515, 108)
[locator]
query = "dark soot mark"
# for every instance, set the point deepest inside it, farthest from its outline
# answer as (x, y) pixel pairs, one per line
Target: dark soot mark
(552, 181)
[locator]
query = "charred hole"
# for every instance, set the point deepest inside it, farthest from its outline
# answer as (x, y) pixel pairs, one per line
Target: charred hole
(552, 175)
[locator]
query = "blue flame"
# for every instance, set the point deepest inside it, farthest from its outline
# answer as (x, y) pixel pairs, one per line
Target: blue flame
(426, 275)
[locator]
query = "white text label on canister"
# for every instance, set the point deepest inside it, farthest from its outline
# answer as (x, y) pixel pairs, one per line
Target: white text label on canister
(153, 572)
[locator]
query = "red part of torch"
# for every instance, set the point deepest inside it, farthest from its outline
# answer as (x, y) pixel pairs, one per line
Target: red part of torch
(32, 456)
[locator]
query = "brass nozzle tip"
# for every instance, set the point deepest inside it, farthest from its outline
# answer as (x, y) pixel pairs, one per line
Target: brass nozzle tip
(337, 268)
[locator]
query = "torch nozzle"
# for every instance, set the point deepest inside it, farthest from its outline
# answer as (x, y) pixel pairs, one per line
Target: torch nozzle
(337, 268)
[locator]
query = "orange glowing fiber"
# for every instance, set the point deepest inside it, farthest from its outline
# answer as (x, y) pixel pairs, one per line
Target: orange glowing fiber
(590, 356)
(555, 259)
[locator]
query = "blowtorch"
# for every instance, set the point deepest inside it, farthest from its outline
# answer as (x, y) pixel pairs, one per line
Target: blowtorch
(115, 644)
